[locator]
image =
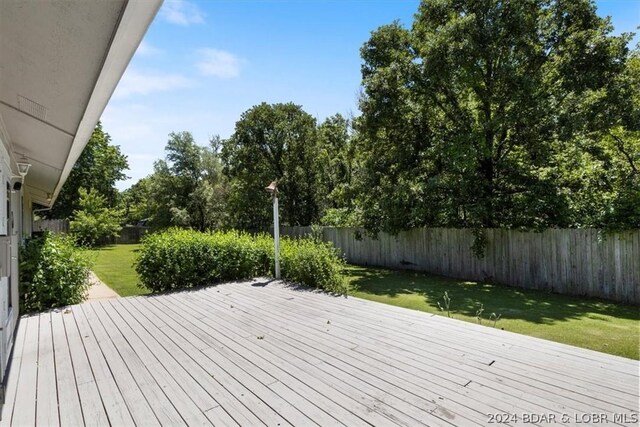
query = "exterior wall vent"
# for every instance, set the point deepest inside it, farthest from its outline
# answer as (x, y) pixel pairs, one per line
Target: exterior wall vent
(32, 108)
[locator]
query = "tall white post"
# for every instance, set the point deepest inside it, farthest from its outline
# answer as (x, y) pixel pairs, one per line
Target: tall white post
(276, 233)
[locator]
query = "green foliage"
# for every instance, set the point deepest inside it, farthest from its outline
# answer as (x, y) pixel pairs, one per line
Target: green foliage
(479, 314)
(313, 263)
(99, 167)
(273, 142)
(136, 202)
(479, 245)
(338, 163)
(447, 304)
(342, 217)
(177, 258)
(511, 114)
(600, 172)
(494, 318)
(53, 273)
(468, 115)
(93, 223)
(316, 232)
(187, 188)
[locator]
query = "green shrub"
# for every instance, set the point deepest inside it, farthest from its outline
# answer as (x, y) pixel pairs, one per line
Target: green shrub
(312, 262)
(53, 273)
(94, 223)
(175, 259)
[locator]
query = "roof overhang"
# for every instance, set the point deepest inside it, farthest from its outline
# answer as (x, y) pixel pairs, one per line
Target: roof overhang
(60, 62)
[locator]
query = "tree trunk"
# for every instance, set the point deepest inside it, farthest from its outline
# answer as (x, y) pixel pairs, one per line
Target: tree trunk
(487, 170)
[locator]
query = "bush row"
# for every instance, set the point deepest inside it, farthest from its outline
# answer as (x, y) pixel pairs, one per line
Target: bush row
(177, 258)
(53, 273)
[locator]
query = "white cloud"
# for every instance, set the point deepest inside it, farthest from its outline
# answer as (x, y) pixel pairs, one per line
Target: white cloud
(145, 49)
(181, 12)
(218, 63)
(135, 82)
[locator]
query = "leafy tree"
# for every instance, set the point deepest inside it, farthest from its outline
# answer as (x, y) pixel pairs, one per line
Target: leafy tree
(99, 167)
(394, 131)
(186, 189)
(466, 115)
(338, 172)
(600, 172)
(136, 201)
(94, 223)
(337, 160)
(273, 142)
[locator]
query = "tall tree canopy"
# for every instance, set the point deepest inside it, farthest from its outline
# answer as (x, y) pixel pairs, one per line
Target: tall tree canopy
(467, 116)
(273, 142)
(99, 167)
(186, 189)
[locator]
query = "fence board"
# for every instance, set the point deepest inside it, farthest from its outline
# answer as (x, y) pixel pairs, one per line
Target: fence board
(568, 261)
(53, 225)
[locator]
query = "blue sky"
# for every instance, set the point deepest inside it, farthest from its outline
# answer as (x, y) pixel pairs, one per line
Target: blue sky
(203, 63)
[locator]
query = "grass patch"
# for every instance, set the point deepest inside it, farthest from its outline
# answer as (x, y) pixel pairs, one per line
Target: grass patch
(584, 322)
(114, 266)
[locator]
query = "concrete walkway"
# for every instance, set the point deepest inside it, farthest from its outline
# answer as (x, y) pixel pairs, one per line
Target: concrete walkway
(98, 290)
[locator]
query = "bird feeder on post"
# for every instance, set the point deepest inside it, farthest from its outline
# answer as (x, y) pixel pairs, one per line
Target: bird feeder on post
(273, 189)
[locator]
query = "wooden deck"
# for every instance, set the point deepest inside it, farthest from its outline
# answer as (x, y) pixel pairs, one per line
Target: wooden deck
(254, 353)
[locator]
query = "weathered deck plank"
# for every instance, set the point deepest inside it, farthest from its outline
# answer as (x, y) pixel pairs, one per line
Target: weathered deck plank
(181, 389)
(24, 409)
(362, 368)
(110, 394)
(217, 382)
(143, 371)
(12, 380)
(520, 349)
(71, 411)
(46, 391)
(271, 335)
(428, 359)
(91, 402)
(387, 398)
(248, 354)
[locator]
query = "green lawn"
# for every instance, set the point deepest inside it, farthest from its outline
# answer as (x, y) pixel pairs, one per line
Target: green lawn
(584, 322)
(114, 266)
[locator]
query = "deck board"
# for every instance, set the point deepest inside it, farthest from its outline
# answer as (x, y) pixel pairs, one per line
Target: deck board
(90, 400)
(401, 394)
(100, 369)
(261, 353)
(362, 368)
(141, 366)
(47, 390)
(432, 332)
(217, 382)
(484, 374)
(12, 380)
(24, 412)
(71, 412)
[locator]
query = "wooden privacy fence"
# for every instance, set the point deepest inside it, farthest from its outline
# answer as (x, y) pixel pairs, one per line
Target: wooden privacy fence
(128, 234)
(53, 225)
(568, 261)
(132, 233)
